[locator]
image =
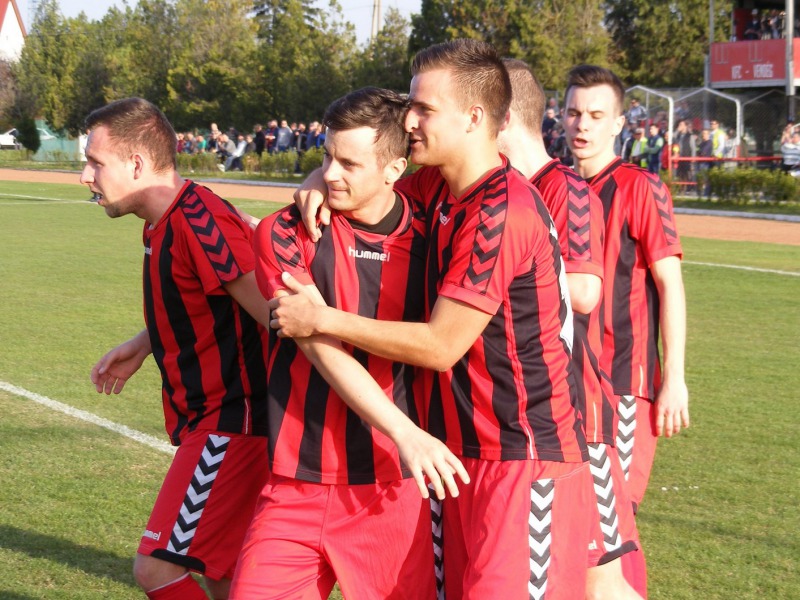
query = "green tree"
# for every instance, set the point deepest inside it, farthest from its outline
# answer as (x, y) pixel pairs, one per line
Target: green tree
(659, 43)
(28, 134)
(215, 74)
(8, 90)
(47, 65)
(551, 35)
(385, 61)
(306, 57)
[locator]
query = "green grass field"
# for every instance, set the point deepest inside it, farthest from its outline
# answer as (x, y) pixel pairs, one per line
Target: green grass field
(720, 519)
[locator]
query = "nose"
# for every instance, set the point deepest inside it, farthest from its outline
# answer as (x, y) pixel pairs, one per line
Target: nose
(412, 121)
(87, 175)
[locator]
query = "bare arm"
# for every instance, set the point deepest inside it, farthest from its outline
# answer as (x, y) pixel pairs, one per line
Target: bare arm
(438, 344)
(584, 291)
(672, 401)
(423, 454)
(113, 370)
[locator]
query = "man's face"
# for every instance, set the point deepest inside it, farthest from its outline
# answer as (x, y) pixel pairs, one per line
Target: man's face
(653, 131)
(352, 172)
(109, 175)
(714, 125)
(550, 113)
(436, 123)
(592, 121)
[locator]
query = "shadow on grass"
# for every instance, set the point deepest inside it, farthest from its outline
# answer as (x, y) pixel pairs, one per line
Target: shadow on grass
(84, 558)
(9, 595)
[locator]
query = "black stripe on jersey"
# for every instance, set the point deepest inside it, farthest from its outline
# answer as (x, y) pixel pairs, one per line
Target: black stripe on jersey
(654, 307)
(282, 354)
(256, 369)
(621, 315)
(314, 409)
(181, 326)
(580, 350)
(536, 373)
(158, 347)
(232, 412)
(359, 434)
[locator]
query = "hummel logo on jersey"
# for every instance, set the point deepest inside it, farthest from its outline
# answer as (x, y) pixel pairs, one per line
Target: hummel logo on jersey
(443, 219)
(381, 256)
(152, 534)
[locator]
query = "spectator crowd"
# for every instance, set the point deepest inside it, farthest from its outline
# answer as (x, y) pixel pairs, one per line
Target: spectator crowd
(231, 146)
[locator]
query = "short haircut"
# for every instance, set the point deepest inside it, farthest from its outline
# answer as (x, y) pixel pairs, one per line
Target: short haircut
(376, 108)
(527, 96)
(587, 76)
(476, 70)
(134, 124)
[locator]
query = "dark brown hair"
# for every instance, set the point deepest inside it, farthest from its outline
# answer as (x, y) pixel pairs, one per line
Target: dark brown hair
(586, 76)
(382, 110)
(477, 71)
(134, 124)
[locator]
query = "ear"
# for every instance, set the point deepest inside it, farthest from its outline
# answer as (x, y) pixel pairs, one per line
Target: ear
(477, 115)
(619, 123)
(506, 121)
(138, 165)
(394, 170)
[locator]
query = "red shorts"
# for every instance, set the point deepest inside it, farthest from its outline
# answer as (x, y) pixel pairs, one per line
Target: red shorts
(636, 443)
(519, 530)
(206, 502)
(375, 539)
(613, 527)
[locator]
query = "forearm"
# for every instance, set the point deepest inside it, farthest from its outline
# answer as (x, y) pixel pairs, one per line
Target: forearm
(411, 343)
(355, 386)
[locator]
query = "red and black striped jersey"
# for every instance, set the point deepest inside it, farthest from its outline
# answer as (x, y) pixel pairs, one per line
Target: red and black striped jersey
(314, 436)
(640, 230)
(512, 396)
(578, 216)
(210, 351)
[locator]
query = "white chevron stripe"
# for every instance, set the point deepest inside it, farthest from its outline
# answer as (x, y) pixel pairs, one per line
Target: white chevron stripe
(535, 593)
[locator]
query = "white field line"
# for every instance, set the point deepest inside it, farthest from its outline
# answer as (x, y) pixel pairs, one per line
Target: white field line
(47, 199)
(741, 268)
(138, 436)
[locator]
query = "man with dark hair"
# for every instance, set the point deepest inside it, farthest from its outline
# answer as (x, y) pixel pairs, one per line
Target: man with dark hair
(200, 291)
(643, 286)
(578, 216)
(346, 461)
(498, 331)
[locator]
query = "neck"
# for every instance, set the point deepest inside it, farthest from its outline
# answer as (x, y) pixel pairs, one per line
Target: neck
(527, 154)
(158, 194)
(590, 167)
(463, 173)
(375, 211)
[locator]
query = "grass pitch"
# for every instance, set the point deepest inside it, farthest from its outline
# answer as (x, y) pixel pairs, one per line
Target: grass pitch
(719, 521)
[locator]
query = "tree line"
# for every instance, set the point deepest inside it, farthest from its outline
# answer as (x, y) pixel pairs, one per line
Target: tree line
(237, 62)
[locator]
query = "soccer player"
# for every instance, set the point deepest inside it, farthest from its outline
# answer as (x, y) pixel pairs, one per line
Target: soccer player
(199, 286)
(340, 503)
(498, 332)
(578, 217)
(643, 287)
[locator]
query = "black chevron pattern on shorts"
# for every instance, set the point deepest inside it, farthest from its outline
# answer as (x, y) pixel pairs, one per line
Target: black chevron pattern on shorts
(438, 541)
(626, 410)
(197, 494)
(600, 467)
(539, 536)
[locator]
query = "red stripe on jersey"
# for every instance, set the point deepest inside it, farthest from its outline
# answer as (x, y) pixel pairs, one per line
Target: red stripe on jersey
(640, 230)
(314, 436)
(512, 395)
(210, 352)
(578, 216)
